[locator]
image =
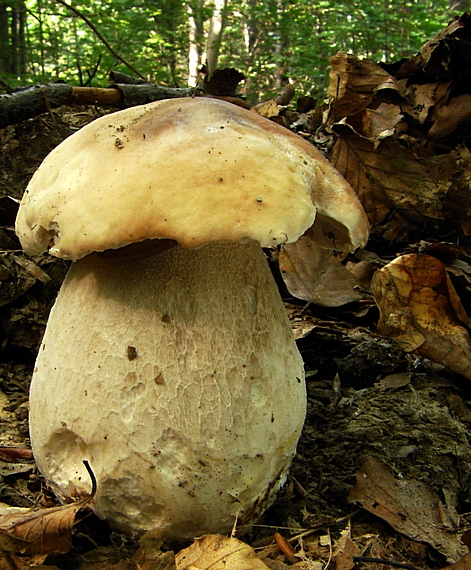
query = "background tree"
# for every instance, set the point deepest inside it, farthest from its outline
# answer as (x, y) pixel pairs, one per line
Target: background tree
(269, 41)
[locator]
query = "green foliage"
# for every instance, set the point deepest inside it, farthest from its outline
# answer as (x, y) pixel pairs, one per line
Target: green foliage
(311, 32)
(149, 34)
(270, 41)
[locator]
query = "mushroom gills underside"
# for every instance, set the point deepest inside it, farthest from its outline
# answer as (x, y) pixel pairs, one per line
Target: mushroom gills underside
(176, 375)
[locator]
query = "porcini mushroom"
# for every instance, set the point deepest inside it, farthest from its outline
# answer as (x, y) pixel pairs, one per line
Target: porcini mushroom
(168, 361)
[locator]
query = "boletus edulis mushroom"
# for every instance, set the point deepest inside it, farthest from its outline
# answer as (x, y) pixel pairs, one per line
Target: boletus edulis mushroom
(168, 361)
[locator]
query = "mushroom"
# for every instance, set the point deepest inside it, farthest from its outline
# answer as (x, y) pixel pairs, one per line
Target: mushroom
(168, 360)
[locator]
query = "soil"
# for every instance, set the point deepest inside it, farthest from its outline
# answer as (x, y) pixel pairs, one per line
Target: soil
(366, 398)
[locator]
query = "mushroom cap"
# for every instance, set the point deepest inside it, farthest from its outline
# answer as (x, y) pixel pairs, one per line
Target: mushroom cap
(194, 170)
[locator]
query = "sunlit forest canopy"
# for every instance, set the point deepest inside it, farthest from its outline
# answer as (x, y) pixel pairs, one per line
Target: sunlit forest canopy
(166, 41)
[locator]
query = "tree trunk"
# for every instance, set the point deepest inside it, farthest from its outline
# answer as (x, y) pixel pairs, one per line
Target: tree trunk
(41, 37)
(280, 44)
(5, 61)
(195, 36)
(216, 28)
(251, 39)
(18, 23)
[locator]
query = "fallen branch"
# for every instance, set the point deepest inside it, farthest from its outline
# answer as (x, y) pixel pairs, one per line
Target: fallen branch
(31, 102)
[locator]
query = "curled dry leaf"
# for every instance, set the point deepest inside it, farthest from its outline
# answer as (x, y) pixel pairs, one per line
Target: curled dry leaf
(216, 552)
(421, 311)
(40, 533)
(267, 109)
(397, 188)
(316, 275)
(409, 506)
(450, 116)
(375, 124)
(354, 83)
(270, 109)
(382, 120)
(36, 534)
(443, 55)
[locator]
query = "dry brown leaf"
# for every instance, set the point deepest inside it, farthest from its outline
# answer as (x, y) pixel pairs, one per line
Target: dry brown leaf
(354, 82)
(39, 533)
(397, 188)
(32, 268)
(216, 552)
(459, 195)
(271, 109)
(447, 50)
(146, 560)
(418, 309)
(449, 117)
(344, 558)
(394, 381)
(463, 563)
(409, 506)
(15, 453)
(375, 124)
(420, 99)
(314, 274)
(285, 95)
(267, 109)
(36, 534)
(150, 557)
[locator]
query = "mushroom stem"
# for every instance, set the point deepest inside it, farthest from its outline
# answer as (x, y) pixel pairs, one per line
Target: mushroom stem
(188, 359)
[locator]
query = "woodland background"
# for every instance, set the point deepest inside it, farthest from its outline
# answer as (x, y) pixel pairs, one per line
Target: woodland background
(383, 469)
(166, 41)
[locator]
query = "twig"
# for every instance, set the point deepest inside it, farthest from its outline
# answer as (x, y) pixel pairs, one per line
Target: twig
(331, 553)
(286, 548)
(48, 105)
(99, 36)
(383, 561)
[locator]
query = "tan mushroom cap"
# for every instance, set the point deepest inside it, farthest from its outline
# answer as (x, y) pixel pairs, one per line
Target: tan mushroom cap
(193, 170)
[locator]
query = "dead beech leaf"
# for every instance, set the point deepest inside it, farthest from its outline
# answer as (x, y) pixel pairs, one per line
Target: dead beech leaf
(418, 309)
(409, 506)
(375, 124)
(267, 109)
(39, 533)
(36, 534)
(344, 557)
(397, 188)
(32, 268)
(450, 116)
(285, 95)
(271, 108)
(216, 552)
(420, 99)
(354, 82)
(459, 195)
(445, 50)
(314, 274)
(463, 563)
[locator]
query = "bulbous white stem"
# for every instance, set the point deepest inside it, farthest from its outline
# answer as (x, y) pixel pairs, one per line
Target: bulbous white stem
(175, 374)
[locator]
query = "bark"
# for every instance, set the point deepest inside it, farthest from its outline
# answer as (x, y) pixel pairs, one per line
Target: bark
(215, 32)
(251, 39)
(280, 45)
(5, 63)
(18, 51)
(33, 101)
(195, 35)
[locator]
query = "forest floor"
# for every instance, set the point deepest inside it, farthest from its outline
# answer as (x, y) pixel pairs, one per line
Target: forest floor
(373, 411)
